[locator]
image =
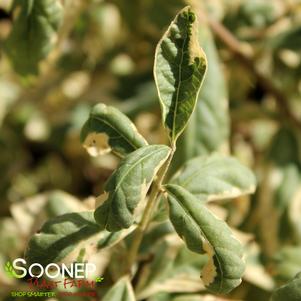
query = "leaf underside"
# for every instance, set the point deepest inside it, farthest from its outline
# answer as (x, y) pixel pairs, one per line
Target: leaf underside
(179, 70)
(203, 232)
(128, 185)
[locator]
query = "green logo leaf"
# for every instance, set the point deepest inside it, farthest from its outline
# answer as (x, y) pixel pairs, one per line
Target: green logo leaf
(99, 279)
(10, 270)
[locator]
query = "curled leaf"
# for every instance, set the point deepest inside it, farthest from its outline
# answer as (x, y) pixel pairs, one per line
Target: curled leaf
(179, 69)
(128, 185)
(108, 129)
(203, 232)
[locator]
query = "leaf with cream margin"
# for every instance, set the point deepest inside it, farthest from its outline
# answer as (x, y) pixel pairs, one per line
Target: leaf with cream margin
(128, 185)
(179, 69)
(107, 129)
(31, 213)
(63, 237)
(290, 291)
(33, 34)
(122, 290)
(215, 177)
(208, 128)
(203, 232)
(174, 268)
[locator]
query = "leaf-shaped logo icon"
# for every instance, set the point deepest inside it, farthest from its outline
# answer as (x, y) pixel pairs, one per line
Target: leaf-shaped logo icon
(99, 279)
(10, 270)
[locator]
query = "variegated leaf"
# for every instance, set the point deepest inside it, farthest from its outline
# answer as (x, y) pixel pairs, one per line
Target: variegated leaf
(203, 232)
(215, 177)
(179, 70)
(108, 129)
(128, 185)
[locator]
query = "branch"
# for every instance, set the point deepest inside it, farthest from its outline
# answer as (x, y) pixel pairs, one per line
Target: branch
(242, 53)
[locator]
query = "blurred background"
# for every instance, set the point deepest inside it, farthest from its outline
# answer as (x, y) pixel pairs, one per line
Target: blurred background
(103, 51)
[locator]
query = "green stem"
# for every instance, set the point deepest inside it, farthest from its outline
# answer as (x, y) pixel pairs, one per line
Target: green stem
(148, 212)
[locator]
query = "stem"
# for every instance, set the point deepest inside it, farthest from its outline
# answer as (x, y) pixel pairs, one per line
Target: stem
(148, 212)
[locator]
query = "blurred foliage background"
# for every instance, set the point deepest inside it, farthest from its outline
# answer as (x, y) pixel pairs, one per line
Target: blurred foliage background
(103, 51)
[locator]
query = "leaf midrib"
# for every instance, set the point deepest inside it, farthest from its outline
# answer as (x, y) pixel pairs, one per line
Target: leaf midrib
(178, 88)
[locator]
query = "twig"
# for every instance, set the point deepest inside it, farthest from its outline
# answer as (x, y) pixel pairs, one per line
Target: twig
(246, 58)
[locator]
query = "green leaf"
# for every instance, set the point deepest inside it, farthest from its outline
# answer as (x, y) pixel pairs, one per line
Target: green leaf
(155, 233)
(203, 232)
(121, 291)
(285, 147)
(108, 129)
(288, 187)
(60, 236)
(215, 177)
(33, 34)
(128, 185)
(67, 235)
(179, 70)
(290, 291)
(208, 129)
(287, 39)
(109, 239)
(286, 263)
(211, 120)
